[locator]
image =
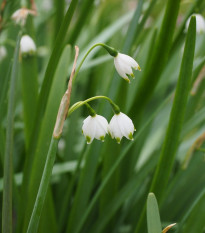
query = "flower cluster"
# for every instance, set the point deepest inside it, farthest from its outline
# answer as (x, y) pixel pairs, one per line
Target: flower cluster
(96, 126)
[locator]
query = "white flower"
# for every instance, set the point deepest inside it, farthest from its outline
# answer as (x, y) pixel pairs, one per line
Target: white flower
(121, 125)
(27, 45)
(200, 23)
(124, 64)
(95, 127)
(3, 53)
(21, 14)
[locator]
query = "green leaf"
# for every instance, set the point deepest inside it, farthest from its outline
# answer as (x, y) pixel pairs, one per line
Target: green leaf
(42, 191)
(193, 220)
(84, 12)
(170, 145)
(29, 82)
(8, 157)
(153, 217)
(158, 59)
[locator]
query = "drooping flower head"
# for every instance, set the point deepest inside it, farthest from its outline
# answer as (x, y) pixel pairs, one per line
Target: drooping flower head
(121, 125)
(124, 64)
(21, 15)
(200, 23)
(27, 45)
(95, 126)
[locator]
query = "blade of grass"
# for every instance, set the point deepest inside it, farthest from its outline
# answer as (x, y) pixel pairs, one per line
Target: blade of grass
(3, 94)
(177, 115)
(8, 157)
(158, 59)
(83, 15)
(60, 9)
(153, 217)
(45, 89)
(170, 144)
(191, 223)
(36, 214)
(29, 84)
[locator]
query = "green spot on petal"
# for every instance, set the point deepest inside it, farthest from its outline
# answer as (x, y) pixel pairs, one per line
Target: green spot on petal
(88, 139)
(102, 138)
(130, 136)
(118, 140)
(126, 79)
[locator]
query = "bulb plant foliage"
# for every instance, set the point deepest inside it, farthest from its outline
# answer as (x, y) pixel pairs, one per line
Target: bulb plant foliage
(64, 73)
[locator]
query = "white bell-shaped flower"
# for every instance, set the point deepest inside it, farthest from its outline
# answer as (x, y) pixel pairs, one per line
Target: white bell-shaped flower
(20, 15)
(200, 23)
(124, 64)
(95, 127)
(27, 45)
(121, 125)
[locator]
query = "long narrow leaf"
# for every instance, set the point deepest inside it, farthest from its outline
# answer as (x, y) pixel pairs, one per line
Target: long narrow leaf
(8, 157)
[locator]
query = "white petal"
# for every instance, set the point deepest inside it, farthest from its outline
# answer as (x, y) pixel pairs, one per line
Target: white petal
(120, 69)
(126, 125)
(16, 14)
(114, 128)
(89, 127)
(101, 127)
(129, 61)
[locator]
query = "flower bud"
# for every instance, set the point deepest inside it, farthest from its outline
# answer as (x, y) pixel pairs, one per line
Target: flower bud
(27, 46)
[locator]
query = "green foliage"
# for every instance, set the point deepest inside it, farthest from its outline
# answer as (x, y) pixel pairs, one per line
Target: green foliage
(153, 218)
(104, 186)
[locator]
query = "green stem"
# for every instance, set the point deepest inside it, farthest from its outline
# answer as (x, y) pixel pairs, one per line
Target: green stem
(90, 110)
(109, 49)
(38, 206)
(81, 103)
(8, 159)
